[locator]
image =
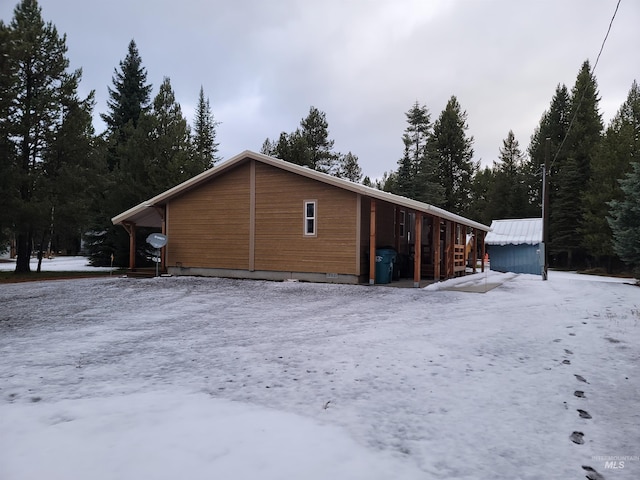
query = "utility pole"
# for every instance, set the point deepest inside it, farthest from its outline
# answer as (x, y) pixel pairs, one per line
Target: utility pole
(545, 211)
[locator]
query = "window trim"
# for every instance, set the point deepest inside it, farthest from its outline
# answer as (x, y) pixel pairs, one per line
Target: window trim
(306, 218)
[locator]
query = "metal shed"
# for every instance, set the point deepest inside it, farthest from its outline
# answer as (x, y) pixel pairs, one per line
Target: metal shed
(515, 245)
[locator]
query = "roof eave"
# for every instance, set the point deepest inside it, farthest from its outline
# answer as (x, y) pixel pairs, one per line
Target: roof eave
(161, 199)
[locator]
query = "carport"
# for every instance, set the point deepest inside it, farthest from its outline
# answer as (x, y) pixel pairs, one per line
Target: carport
(403, 224)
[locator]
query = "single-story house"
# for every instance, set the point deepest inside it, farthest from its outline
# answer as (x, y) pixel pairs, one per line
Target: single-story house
(254, 216)
(516, 245)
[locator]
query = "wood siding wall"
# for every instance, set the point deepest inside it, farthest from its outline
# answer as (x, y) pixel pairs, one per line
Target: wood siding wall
(280, 243)
(209, 226)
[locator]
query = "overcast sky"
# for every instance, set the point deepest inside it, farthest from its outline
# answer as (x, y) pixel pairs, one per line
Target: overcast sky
(363, 62)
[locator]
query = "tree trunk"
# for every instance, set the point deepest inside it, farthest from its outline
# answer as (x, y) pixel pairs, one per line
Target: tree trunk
(23, 257)
(40, 253)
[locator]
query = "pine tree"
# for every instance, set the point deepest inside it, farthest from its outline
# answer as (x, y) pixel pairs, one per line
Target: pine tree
(429, 189)
(309, 145)
(586, 127)
(510, 195)
(554, 125)
(8, 172)
(74, 169)
(41, 98)
(128, 100)
(131, 93)
(453, 151)
(204, 134)
(388, 182)
(619, 147)
(482, 187)
(564, 214)
(268, 147)
(571, 175)
(625, 220)
(502, 191)
(295, 149)
(415, 139)
(127, 152)
(170, 161)
(349, 168)
(314, 129)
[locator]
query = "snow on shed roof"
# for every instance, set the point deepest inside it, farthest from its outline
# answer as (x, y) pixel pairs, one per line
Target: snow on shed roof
(515, 232)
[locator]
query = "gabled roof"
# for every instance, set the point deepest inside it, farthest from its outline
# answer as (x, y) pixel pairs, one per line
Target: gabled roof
(515, 232)
(146, 215)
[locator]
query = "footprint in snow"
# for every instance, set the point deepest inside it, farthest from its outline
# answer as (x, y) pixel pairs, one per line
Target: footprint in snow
(580, 378)
(584, 414)
(576, 437)
(593, 474)
(568, 352)
(566, 362)
(579, 394)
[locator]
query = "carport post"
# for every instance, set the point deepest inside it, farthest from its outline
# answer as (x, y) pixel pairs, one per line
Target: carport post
(436, 249)
(474, 246)
(484, 251)
(417, 251)
(372, 244)
(130, 227)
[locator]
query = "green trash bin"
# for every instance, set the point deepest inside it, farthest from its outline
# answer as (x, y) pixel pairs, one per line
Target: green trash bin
(385, 257)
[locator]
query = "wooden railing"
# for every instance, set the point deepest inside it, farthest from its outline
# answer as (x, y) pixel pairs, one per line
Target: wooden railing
(459, 262)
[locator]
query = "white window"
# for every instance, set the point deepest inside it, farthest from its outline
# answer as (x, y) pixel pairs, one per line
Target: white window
(310, 218)
(402, 220)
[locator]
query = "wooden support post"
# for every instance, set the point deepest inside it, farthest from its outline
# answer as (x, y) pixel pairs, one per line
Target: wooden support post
(130, 227)
(474, 246)
(452, 252)
(397, 228)
(483, 249)
(448, 251)
(417, 265)
(163, 250)
(372, 244)
(163, 255)
(436, 248)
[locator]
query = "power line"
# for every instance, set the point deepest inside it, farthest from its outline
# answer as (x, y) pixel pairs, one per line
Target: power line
(593, 70)
(606, 37)
(546, 168)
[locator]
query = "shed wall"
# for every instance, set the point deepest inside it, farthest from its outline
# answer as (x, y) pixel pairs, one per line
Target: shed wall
(522, 258)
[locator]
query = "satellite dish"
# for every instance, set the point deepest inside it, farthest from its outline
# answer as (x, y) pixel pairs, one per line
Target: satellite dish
(157, 240)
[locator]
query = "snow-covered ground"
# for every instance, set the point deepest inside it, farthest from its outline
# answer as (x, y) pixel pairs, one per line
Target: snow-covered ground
(56, 264)
(200, 378)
